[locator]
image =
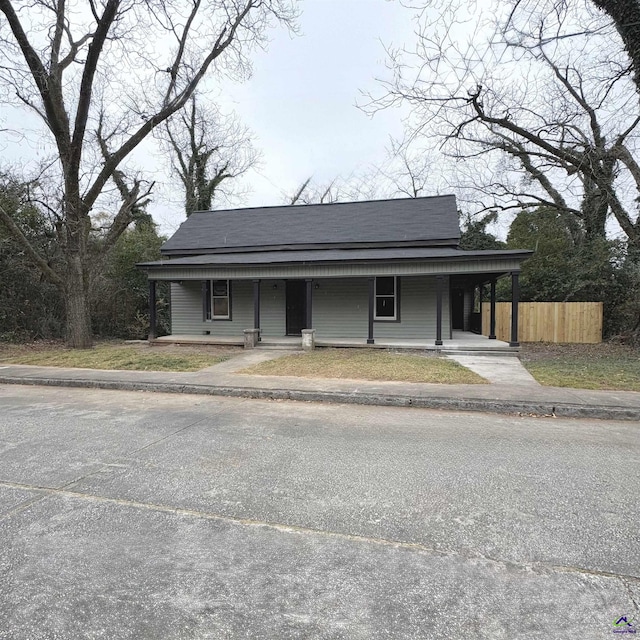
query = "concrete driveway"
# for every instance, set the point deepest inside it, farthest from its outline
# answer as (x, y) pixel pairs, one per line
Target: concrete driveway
(133, 515)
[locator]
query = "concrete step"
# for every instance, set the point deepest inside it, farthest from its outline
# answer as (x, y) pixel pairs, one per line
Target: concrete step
(279, 345)
(512, 353)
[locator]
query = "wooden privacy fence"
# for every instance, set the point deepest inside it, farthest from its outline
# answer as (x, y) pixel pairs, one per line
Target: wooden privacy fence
(548, 321)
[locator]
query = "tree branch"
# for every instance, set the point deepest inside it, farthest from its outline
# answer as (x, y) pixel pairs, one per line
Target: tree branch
(37, 260)
(86, 85)
(56, 118)
(171, 106)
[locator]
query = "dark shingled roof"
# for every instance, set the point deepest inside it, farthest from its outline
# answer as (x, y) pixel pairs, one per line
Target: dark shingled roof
(399, 222)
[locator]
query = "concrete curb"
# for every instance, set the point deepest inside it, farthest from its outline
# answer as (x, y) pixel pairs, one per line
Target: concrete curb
(518, 407)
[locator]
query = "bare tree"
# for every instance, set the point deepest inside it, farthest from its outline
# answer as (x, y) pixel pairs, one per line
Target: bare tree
(554, 120)
(101, 79)
(208, 150)
(409, 172)
(309, 192)
(366, 185)
(626, 16)
(406, 173)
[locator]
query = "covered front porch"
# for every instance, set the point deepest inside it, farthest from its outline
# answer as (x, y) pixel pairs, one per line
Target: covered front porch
(333, 312)
(406, 303)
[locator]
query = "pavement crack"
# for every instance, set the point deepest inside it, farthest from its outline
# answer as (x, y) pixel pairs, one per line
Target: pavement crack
(188, 426)
(25, 504)
(169, 435)
(116, 462)
(538, 567)
(627, 586)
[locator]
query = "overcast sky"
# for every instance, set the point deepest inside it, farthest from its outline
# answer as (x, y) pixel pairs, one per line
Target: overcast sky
(300, 101)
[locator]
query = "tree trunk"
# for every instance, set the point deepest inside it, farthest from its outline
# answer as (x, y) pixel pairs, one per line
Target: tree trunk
(77, 307)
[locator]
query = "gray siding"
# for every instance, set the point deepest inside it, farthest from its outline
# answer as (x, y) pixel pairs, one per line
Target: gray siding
(418, 311)
(186, 310)
(340, 309)
(272, 308)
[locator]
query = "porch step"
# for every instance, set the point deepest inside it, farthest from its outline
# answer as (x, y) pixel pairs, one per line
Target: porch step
(511, 352)
(290, 346)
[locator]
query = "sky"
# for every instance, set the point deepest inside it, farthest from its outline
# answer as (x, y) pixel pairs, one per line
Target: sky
(301, 99)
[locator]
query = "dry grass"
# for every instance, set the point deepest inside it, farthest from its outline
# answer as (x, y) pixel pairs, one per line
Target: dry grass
(367, 364)
(584, 366)
(116, 355)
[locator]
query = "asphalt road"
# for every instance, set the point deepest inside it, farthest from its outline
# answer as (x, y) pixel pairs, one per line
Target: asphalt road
(135, 515)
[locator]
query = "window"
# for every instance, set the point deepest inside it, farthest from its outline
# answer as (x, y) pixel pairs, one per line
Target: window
(386, 307)
(220, 300)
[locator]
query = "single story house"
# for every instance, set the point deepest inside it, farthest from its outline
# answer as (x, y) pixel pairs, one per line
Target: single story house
(359, 271)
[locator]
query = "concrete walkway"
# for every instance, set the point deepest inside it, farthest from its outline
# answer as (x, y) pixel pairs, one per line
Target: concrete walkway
(497, 369)
(511, 392)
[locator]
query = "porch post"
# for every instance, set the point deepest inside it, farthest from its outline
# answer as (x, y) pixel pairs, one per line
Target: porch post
(309, 305)
(372, 296)
(439, 281)
(492, 318)
(515, 299)
(206, 301)
(153, 331)
(256, 305)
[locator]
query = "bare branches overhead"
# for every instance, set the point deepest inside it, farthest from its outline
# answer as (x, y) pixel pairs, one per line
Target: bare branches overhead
(626, 16)
(534, 102)
(208, 151)
(102, 76)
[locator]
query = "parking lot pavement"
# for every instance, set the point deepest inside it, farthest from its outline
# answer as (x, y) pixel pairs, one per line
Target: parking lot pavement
(132, 515)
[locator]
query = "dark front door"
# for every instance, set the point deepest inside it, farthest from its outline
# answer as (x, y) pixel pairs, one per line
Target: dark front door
(296, 303)
(457, 309)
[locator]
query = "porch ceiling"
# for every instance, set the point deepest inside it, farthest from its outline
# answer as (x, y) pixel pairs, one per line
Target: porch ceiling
(320, 256)
(337, 263)
(474, 279)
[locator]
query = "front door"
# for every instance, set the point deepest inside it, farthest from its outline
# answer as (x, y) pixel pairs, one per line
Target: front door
(296, 294)
(457, 309)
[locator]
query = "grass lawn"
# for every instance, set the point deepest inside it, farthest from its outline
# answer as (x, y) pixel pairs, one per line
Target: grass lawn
(115, 355)
(367, 364)
(583, 366)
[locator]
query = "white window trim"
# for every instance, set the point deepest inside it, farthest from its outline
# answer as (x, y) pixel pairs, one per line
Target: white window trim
(393, 318)
(214, 297)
